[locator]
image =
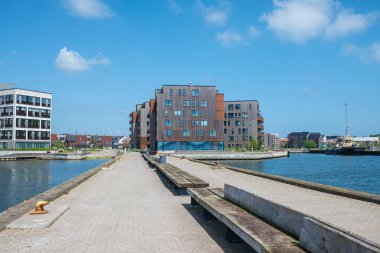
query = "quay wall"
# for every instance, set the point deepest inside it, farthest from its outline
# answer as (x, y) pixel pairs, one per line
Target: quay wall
(17, 211)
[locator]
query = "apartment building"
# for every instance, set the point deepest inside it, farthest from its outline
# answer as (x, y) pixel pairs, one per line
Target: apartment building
(25, 119)
(296, 139)
(194, 117)
(271, 141)
(242, 123)
(84, 140)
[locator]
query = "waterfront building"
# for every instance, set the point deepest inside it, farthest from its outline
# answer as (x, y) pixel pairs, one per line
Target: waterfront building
(283, 143)
(84, 140)
(194, 117)
(25, 119)
(242, 123)
(296, 139)
(271, 141)
(188, 117)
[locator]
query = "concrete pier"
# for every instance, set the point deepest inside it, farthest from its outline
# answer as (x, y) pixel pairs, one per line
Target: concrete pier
(358, 217)
(123, 208)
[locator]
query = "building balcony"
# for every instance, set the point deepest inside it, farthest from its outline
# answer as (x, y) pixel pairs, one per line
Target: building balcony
(260, 119)
(260, 127)
(261, 135)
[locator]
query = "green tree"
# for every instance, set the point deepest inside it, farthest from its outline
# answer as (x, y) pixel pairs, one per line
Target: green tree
(309, 144)
(59, 145)
(254, 145)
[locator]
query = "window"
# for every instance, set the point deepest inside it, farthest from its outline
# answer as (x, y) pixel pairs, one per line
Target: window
(168, 122)
(8, 122)
(237, 123)
(200, 133)
(250, 106)
(21, 122)
(179, 122)
(225, 130)
(177, 113)
(231, 138)
(21, 134)
(197, 103)
(186, 103)
(193, 123)
(195, 93)
(202, 113)
(184, 92)
(20, 110)
(192, 103)
(195, 113)
(184, 123)
(212, 133)
(166, 113)
(168, 132)
(1, 100)
(204, 103)
(230, 107)
(197, 123)
(250, 123)
(184, 113)
(230, 115)
(169, 102)
(46, 102)
(237, 106)
(9, 99)
(204, 123)
(45, 124)
(171, 92)
(244, 114)
(179, 92)
(186, 133)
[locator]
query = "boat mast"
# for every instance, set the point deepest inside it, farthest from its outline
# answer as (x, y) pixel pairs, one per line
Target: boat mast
(345, 105)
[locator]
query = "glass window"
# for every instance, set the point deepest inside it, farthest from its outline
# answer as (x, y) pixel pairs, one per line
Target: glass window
(195, 93)
(1, 100)
(194, 113)
(169, 102)
(204, 103)
(166, 113)
(212, 133)
(179, 122)
(168, 132)
(237, 106)
(186, 133)
(230, 107)
(184, 113)
(184, 123)
(201, 113)
(237, 123)
(179, 92)
(197, 123)
(244, 114)
(186, 103)
(177, 113)
(204, 123)
(200, 133)
(171, 92)
(192, 103)
(168, 122)
(193, 123)
(184, 92)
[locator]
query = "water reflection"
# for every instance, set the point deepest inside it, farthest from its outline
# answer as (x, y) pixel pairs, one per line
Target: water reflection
(21, 180)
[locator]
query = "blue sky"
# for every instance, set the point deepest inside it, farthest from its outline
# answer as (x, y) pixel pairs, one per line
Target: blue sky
(302, 59)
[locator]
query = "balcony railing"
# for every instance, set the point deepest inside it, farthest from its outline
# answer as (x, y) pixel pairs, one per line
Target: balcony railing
(260, 127)
(260, 119)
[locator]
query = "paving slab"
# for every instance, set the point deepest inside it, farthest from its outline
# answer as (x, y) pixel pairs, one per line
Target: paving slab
(29, 221)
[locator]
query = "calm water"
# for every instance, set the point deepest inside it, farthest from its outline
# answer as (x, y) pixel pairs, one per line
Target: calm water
(21, 180)
(361, 173)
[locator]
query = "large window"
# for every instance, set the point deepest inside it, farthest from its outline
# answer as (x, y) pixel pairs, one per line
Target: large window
(6, 134)
(244, 114)
(237, 106)
(186, 133)
(212, 133)
(237, 123)
(184, 92)
(1, 100)
(21, 122)
(195, 92)
(204, 123)
(6, 111)
(168, 122)
(8, 122)
(45, 124)
(46, 102)
(33, 123)
(195, 113)
(33, 112)
(186, 103)
(9, 99)
(20, 134)
(45, 113)
(20, 111)
(184, 123)
(200, 133)
(169, 102)
(168, 132)
(230, 107)
(204, 103)
(177, 113)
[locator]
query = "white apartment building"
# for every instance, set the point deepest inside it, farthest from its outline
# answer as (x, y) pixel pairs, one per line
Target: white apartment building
(25, 119)
(271, 141)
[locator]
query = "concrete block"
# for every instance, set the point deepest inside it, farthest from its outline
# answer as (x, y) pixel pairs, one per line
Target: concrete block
(284, 217)
(317, 236)
(28, 221)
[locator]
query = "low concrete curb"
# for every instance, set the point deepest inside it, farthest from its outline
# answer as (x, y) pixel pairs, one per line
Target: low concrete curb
(17, 211)
(373, 198)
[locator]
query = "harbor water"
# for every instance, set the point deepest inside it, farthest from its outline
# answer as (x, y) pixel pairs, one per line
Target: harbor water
(360, 173)
(21, 180)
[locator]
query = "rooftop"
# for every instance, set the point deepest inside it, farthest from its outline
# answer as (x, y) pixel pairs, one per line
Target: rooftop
(26, 90)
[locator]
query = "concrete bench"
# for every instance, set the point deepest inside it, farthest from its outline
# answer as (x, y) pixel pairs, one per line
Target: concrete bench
(177, 177)
(260, 235)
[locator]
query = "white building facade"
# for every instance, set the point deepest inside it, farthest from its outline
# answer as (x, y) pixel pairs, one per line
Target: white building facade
(271, 141)
(25, 119)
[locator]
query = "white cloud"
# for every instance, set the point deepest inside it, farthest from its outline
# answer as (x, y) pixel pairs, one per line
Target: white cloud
(174, 6)
(214, 15)
(229, 38)
(88, 8)
(368, 54)
(253, 32)
(302, 20)
(71, 61)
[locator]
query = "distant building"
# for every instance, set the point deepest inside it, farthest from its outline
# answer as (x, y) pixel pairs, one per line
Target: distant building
(242, 123)
(25, 119)
(271, 141)
(84, 141)
(283, 143)
(296, 139)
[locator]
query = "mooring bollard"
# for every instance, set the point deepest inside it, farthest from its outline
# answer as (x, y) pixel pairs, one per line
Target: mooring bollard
(39, 209)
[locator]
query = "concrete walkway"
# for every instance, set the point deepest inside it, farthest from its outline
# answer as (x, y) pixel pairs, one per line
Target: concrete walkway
(359, 217)
(123, 208)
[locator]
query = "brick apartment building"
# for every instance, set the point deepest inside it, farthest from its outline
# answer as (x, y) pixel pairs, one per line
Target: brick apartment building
(82, 141)
(193, 117)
